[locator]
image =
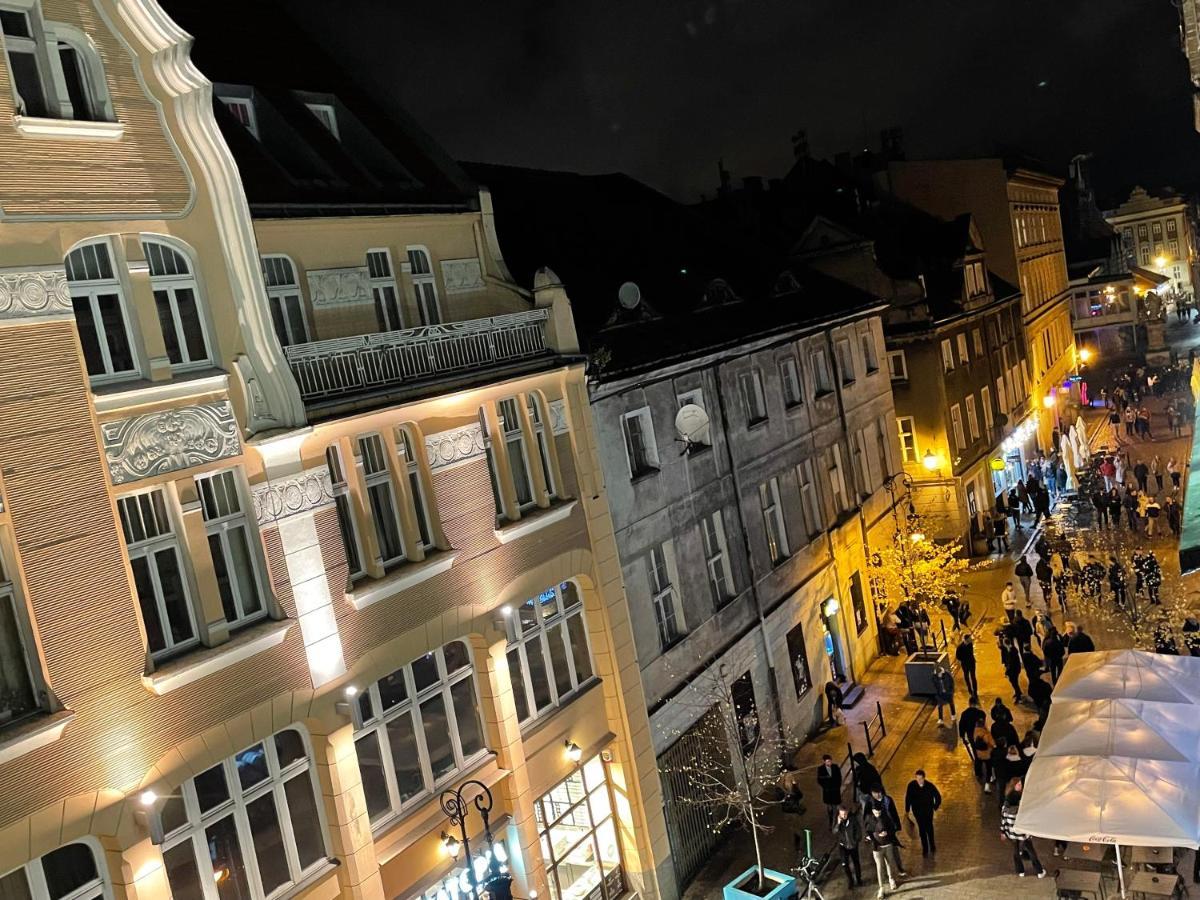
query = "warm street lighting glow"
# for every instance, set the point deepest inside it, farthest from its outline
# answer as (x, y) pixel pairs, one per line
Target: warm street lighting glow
(573, 751)
(930, 461)
(831, 607)
(1085, 354)
(220, 875)
(1048, 401)
(351, 690)
(147, 798)
(917, 537)
(1160, 261)
(452, 845)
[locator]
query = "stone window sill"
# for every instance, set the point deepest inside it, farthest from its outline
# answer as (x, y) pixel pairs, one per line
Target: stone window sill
(535, 521)
(207, 660)
(372, 590)
(32, 734)
(69, 128)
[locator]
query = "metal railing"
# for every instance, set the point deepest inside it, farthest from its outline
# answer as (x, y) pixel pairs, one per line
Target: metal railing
(876, 724)
(366, 362)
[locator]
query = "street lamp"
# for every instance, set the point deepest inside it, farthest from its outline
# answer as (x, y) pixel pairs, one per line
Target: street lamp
(1085, 354)
(929, 461)
(494, 883)
(1160, 261)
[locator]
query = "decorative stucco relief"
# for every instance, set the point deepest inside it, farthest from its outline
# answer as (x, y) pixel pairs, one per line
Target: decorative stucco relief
(40, 292)
(462, 275)
(558, 416)
(339, 287)
(455, 446)
(157, 443)
(306, 491)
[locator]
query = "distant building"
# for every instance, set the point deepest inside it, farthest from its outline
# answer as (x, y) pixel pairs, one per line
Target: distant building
(744, 552)
(1189, 40)
(1157, 235)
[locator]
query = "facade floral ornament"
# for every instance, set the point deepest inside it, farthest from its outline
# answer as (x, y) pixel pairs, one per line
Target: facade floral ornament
(156, 443)
(307, 491)
(455, 446)
(34, 292)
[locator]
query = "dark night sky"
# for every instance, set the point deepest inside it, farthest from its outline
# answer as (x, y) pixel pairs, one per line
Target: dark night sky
(663, 88)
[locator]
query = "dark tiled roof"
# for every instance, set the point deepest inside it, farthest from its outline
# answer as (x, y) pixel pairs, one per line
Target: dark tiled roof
(702, 287)
(382, 162)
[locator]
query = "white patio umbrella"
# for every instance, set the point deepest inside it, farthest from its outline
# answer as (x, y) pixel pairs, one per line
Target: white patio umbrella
(1137, 729)
(1130, 675)
(1068, 457)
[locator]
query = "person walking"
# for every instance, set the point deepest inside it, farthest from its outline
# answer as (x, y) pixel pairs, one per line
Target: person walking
(1114, 508)
(1010, 658)
(982, 745)
(848, 832)
(881, 835)
(1144, 415)
(1142, 473)
(943, 692)
(829, 779)
(1022, 845)
(1174, 515)
(921, 800)
(1153, 576)
(1153, 511)
(1130, 418)
(1173, 471)
(1060, 580)
(1022, 630)
(1014, 510)
(1008, 600)
(1045, 576)
(1119, 472)
(1130, 502)
(1118, 578)
(1041, 500)
(1100, 502)
(866, 778)
(1052, 652)
(1108, 471)
(1024, 573)
(1114, 423)
(1077, 640)
(965, 654)
(1000, 530)
(834, 698)
(1156, 470)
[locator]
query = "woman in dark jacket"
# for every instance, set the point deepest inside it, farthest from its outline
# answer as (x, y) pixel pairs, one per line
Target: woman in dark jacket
(1052, 652)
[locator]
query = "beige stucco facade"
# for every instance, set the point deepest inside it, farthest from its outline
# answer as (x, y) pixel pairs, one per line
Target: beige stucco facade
(113, 716)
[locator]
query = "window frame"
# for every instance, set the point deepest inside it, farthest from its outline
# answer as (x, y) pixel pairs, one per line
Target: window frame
(844, 352)
(650, 445)
(280, 294)
(511, 436)
(30, 654)
(377, 724)
(771, 507)
(810, 498)
(822, 377)
(972, 418)
(754, 398)
(977, 342)
(413, 463)
(964, 355)
(538, 411)
(250, 123)
(344, 506)
(695, 396)
(837, 481)
(904, 439)
(98, 888)
(956, 424)
(716, 557)
(319, 111)
(381, 477)
(947, 356)
(36, 46)
(664, 596)
(91, 289)
(236, 805)
(608, 888)
(422, 280)
(894, 356)
(985, 400)
(792, 381)
(220, 527)
(385, 311)
(542, 633)
(171, 284)
(870, 352)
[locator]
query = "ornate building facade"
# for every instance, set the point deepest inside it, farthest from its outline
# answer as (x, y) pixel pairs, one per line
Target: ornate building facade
(303, 515)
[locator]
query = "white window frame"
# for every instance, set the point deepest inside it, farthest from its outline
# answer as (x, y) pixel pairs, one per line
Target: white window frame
(90, 290)
(36, 46)
(646, 431)
(380, 475)
(964, 356)
(774, 526)
(389, 314)
(897, 372)
(42, 44)
(564, 623)
(408, 446)
(171, 285)
(326, 114)
(977, 342)
(792, 381)
(810, 499)
(229, 482)
(907, 435)
(539, 417)
(956, 423)
(845, 359)
(347, 521)
(371, 717)
(246, 105)
(97, 888)
(750, 385)
(716, 557)
(985, 400)
(283, 295)
(147, 549)
(882, 429)
(514, 439)
(947, 356)
(237, 803)
(668, 611)
(972, 418)
(870, 352)
(425, 290)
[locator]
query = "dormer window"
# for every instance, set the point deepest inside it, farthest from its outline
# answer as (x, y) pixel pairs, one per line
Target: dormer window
(976, 279)
(326, 116)
(242, 109)
(53, 67)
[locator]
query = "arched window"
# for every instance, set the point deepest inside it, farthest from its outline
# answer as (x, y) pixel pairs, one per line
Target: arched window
(411, 447)
(424, 285)
(417, 727)
(54, 68)
(285, 300)
(176, 297)
(249, 827)
(69, 873)
(548, 653)
(100, 312)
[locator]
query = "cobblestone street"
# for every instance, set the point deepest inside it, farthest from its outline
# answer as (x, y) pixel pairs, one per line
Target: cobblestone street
(972, 860)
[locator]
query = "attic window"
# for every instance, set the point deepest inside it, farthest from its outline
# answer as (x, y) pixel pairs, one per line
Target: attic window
(242, 109)
(327, 116)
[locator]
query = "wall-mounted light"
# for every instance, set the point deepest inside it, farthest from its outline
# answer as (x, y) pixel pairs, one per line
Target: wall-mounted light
(573, 751)
(1048, 401)
(451, 845)
(147, 798)
(1085, 354)
(929, 460)
(343, 706)
(501, 617)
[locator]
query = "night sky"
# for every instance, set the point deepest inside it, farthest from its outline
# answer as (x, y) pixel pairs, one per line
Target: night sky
(662, 89)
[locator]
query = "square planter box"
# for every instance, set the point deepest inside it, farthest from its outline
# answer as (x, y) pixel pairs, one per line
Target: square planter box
(918, 669)
(784, 889)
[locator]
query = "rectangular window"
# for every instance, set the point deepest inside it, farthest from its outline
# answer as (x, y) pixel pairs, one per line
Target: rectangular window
(381, 498)
(234, 547)
(858, 603)
(977, 341)
(870, 356)
(327, 116)
(158, 574)
(640, 447)
(284, 300)
(242, 109)
(384, 292)
(960, 439)
(579, 837)
(862, 473)
(972, 418)
(845, 361)
(789, 375)
(345, 511)
(985, 400)
(963, 356)
(908, 438)
(753, 399)
(741, 692)
(837, 481)
(18, 691)
(1002, 396)
(668, 614)
(537, 421)
(518, 457)
(882, 429)
(407, 442)
(1156, 228)
(798, 657)
(424, 285)
(897, 365)
(823, 381)
(548, 653)
(716, 556)
(23, 64)
(947, 356)
(772, 513)
(810, 502)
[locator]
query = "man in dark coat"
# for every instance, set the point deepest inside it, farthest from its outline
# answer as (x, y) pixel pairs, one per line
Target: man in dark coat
(965, 654)
(1077, 640)
(921, 801)
(833, 697)
(848, 832)
(1022, 630)
(829, 778)
(1052, 652)
(943, 692)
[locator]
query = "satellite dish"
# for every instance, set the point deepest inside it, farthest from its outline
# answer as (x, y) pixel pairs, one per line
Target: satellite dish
(691, 423)
(629, 295)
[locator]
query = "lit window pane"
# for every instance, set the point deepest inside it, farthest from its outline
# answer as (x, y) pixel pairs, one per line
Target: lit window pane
(228, 867)
(252, 766)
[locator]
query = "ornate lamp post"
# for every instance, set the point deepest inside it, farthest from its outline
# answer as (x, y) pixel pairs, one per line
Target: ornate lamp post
(495, 882)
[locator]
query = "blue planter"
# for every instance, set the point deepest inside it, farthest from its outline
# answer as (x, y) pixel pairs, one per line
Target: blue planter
(785, 888)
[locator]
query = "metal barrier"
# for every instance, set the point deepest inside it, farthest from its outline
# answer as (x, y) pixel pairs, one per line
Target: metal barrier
(877, 723)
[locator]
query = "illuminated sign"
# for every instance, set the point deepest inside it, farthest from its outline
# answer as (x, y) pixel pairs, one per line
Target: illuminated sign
(457, 884)
(997, 464)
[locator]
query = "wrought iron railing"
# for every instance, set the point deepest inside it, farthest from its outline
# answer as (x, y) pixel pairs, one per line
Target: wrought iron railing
(353, 365)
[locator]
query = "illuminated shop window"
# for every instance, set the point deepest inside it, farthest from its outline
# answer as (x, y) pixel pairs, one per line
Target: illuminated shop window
(579, 838)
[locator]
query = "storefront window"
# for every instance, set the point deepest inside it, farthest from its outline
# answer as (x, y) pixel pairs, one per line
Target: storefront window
(579, 838)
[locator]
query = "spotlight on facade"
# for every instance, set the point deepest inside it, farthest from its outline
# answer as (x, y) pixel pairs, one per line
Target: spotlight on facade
(573, 751)
(1048, 401)
(930, 461)
(147, 798)
(1160, 261)
(351, 690)
(452, 845)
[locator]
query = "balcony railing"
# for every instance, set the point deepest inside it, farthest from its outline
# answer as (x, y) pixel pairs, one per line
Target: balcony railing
(367, 362)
